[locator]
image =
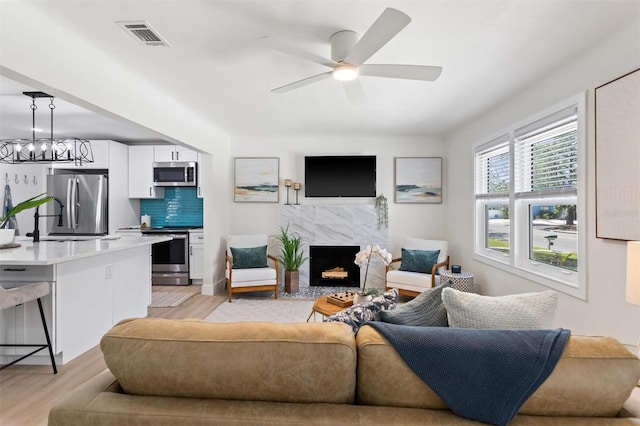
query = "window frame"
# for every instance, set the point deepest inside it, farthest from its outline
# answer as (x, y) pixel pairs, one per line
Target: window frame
(517, 261)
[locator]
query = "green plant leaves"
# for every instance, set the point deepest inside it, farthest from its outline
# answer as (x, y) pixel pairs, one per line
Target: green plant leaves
(25, 205)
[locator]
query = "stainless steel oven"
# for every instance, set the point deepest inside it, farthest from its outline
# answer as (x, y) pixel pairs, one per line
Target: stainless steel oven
(170, 259)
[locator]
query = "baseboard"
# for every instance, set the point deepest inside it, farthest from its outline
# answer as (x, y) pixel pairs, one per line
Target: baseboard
(212, 289)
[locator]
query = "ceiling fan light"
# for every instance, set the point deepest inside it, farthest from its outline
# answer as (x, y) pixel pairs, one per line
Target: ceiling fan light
(345, 73)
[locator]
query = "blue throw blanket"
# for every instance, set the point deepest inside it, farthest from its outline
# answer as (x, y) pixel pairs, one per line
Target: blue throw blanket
(485, 375)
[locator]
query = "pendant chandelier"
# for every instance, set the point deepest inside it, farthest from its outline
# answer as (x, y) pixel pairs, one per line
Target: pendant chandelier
(44, 150)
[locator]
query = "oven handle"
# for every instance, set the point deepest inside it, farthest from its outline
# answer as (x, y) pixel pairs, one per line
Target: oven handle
(174, 236)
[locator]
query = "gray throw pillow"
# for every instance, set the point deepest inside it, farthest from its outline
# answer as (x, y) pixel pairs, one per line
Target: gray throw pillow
(249, 257)
(426, 310)
(357, 315)
(514, 311)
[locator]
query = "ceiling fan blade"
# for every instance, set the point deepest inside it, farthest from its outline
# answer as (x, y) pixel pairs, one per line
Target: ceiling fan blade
(354, 91)
(390, 23)
(301, 83)
(409, 72)
(294, 51)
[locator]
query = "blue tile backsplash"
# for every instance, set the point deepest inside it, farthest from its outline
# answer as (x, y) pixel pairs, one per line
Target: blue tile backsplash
(180, 207)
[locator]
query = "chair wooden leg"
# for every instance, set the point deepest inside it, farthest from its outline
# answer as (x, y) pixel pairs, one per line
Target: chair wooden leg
(229, 290)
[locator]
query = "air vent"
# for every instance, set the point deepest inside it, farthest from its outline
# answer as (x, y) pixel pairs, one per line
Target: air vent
(143, 32)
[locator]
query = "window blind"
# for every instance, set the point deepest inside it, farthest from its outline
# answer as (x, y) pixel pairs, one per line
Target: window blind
(492, 169)
(546, 157)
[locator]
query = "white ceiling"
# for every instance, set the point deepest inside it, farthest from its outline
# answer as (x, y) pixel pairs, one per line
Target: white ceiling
(490, 51)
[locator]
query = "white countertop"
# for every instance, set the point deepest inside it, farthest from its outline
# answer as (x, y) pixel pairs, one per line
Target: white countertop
(52, 252)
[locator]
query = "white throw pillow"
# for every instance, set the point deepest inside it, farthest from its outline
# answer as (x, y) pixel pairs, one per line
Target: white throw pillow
(514, 311)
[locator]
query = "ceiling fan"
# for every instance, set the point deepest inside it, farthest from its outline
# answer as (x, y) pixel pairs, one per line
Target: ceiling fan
(349, 54)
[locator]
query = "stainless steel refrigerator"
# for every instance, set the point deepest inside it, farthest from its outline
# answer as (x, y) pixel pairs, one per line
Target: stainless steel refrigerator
(85, 200)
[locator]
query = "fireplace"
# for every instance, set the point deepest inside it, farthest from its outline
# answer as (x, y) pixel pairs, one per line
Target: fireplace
(333, 266)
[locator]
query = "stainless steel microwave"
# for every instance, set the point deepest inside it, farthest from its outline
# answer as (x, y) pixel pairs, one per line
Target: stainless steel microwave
(175, 174)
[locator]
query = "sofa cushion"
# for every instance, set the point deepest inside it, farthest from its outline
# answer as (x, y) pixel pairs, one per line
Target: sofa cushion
(355, 316)
(514, 311)
(421, 261)
(249, 257)
(593, 377)
(242, 361)
(425, 310)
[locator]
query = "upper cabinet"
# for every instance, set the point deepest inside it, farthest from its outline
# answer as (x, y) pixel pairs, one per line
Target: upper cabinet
(202, 159)
(141, 158)
(168, 153)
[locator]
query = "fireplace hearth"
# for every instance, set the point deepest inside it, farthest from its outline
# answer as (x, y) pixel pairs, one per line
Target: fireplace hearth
(333, 266)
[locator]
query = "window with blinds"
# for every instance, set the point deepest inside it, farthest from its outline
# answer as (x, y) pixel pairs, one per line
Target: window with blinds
(492, 169)
(546, 156)
(527, 206)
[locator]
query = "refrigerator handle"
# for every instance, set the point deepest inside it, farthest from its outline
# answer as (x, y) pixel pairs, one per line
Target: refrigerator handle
(100, 206)
(69, 204)
(76, 208)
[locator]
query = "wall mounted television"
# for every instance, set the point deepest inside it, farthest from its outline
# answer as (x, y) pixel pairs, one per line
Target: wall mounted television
(340, 176)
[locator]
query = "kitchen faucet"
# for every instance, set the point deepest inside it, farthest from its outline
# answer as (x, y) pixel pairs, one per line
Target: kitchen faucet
(37, 216)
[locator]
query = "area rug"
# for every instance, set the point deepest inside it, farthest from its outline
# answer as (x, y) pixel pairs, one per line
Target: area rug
(168, 299)
(262, 310)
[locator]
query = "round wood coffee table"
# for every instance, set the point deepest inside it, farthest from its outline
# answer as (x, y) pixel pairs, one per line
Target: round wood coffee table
(324, 308)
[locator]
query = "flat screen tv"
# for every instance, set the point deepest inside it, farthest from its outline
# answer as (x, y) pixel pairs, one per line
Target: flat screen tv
(340, 176)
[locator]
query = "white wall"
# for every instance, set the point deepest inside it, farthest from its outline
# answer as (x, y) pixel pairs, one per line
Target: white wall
(605, 311)
(417, 220)
(216, 170)
(21, 190)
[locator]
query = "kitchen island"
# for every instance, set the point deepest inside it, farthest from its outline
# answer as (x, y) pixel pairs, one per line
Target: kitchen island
(94, 284)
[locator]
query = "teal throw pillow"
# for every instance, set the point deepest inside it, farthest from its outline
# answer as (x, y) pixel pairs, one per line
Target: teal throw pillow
(249, 257)
(418, 260)
(425, 310)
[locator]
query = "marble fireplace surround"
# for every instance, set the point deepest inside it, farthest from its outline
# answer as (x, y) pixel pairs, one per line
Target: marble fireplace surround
(332, 225)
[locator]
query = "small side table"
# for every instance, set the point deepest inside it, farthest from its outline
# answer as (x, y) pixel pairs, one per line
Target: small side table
(324, 308)
(462, 281)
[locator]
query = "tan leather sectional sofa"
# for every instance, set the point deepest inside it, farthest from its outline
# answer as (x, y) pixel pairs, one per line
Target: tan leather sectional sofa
(174, 372)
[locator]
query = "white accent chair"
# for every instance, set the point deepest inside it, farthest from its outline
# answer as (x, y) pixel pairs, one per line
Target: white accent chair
(414, 283)
(250, 279)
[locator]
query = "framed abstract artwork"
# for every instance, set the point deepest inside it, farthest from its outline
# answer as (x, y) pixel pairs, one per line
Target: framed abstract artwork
(256, 180)
(418, 180)
(617, 108)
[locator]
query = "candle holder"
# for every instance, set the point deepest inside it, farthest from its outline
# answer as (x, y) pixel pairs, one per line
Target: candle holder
(296, 187)
(287, 184)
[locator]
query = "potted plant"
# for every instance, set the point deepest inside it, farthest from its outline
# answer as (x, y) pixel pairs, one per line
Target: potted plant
(363, 257)
(292, 257)
(6, 235)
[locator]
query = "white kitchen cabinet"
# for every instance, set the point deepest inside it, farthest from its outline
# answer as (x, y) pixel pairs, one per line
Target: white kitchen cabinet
(89, 294)
(174, 153)
(196, 257)
(203, 161)
(141, 158)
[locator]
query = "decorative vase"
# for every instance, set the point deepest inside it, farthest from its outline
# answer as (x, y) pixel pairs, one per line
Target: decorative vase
(359, 299)
(6, 236)
(291, 281)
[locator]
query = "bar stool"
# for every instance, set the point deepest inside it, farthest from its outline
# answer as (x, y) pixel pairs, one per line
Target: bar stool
(17, 296)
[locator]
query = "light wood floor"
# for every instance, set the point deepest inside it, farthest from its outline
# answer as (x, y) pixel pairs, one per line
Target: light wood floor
(27, 392)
